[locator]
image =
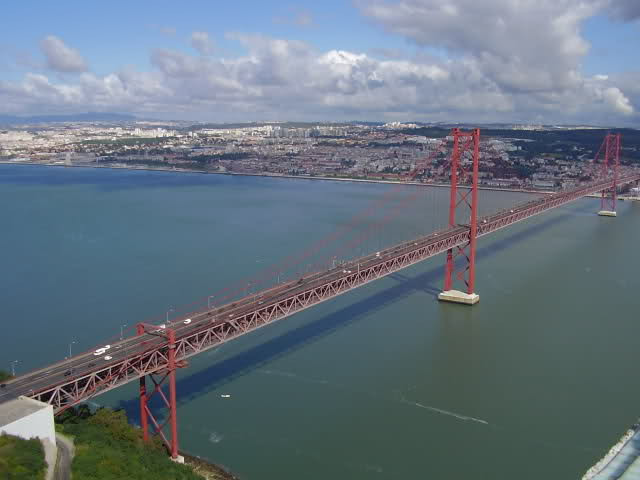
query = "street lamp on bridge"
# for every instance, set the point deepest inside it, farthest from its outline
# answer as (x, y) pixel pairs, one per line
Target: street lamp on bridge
(71, 343)
(171, 309)
(13, 367)
(209, 301)
(121, 330)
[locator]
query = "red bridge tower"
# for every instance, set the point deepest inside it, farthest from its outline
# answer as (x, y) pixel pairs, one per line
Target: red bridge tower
(158, 378)
(610, 164)
(464, 169)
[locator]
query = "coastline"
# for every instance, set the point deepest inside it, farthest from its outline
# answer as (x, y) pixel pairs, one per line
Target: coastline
(274, 175)
(206, 469)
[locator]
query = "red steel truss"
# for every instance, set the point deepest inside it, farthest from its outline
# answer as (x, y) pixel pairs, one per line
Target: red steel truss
(158, 378)
(610, 164)
(465, 144)
(157, 354)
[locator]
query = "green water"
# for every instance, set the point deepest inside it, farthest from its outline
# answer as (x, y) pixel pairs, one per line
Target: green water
(536, 381)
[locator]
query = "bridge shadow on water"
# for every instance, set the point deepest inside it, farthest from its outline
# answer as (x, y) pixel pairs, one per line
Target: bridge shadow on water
(227, 370)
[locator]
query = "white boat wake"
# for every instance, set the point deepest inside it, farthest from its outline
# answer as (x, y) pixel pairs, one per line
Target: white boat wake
(459, 416)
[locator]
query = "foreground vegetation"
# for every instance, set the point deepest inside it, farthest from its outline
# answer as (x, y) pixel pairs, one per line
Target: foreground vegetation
(21, 459)
(108, 448)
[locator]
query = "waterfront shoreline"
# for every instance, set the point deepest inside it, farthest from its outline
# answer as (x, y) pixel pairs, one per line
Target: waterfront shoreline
(206, 468)
(272, 175)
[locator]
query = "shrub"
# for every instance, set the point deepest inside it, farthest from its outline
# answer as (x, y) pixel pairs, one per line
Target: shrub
(21, 459)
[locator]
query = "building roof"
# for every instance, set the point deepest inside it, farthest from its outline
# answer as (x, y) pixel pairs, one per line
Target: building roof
(19, 408)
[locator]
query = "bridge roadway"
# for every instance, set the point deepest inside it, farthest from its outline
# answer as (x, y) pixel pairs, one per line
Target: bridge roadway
(81, 377)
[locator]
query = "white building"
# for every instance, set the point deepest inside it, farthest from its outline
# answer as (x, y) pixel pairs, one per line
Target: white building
(27, 418)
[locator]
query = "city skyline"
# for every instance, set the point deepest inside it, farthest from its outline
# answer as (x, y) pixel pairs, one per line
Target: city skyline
(568, 61)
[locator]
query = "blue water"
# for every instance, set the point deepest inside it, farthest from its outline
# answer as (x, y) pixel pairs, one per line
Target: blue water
(536, 381)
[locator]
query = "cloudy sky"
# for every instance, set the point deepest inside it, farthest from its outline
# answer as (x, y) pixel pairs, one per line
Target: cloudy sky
(548, 61)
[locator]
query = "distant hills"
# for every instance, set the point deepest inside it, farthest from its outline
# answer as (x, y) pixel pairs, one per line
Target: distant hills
(78, 117)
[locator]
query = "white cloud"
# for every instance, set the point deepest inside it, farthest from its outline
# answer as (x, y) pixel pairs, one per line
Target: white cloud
(501, 68)
(61, 57)
(628, 10)
(617, 100)
(202, 43)
(527, 46)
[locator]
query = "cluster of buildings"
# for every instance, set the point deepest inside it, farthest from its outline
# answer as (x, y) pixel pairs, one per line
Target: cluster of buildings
(360, 151)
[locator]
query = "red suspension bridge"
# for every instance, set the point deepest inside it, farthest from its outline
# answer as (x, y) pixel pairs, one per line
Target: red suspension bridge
(153, 355)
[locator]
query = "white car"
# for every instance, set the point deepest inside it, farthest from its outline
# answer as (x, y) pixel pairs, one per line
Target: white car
(101, 350)
(187, 321)
(108, 357)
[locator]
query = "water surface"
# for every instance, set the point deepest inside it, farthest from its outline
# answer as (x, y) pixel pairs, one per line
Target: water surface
(536, 381)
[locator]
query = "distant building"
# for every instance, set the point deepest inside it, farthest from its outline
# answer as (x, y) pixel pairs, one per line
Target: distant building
(544, 184)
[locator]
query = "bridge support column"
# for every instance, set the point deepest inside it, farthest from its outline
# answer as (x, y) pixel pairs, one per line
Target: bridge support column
(611, 147)
(466, 146)
(168, 373)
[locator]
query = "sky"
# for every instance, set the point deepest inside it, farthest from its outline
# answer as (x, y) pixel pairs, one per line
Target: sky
(511, 61)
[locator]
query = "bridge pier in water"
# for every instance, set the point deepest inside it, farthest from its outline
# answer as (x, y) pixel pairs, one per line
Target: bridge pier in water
(608, 199)
(465, 144)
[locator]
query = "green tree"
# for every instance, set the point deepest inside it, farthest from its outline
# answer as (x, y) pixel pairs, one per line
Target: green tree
(107, 447)
(21, 459)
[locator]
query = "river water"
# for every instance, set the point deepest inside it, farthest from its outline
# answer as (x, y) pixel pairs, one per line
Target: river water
(536, 381)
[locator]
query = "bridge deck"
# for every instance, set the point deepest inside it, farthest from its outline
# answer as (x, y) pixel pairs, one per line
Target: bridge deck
(84, 376)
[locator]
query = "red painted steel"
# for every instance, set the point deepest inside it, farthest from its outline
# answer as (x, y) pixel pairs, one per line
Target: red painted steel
(168, 372)
(463, 143)
(610, 166)
(172, 393)
(292, 261)
(157, 352)
(144, 421)
(211, 328)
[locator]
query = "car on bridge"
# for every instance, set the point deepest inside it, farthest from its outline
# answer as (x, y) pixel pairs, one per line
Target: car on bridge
(101, 350)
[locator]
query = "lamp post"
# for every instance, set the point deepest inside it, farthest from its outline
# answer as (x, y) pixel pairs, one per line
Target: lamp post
(13, 367)
(71, 343)
(209, 301)
(121, 330)
(171, 309)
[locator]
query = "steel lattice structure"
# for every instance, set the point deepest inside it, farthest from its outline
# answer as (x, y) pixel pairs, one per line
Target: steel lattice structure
(158, 351)
(463, 143)
(610, 166)
(211, 329)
